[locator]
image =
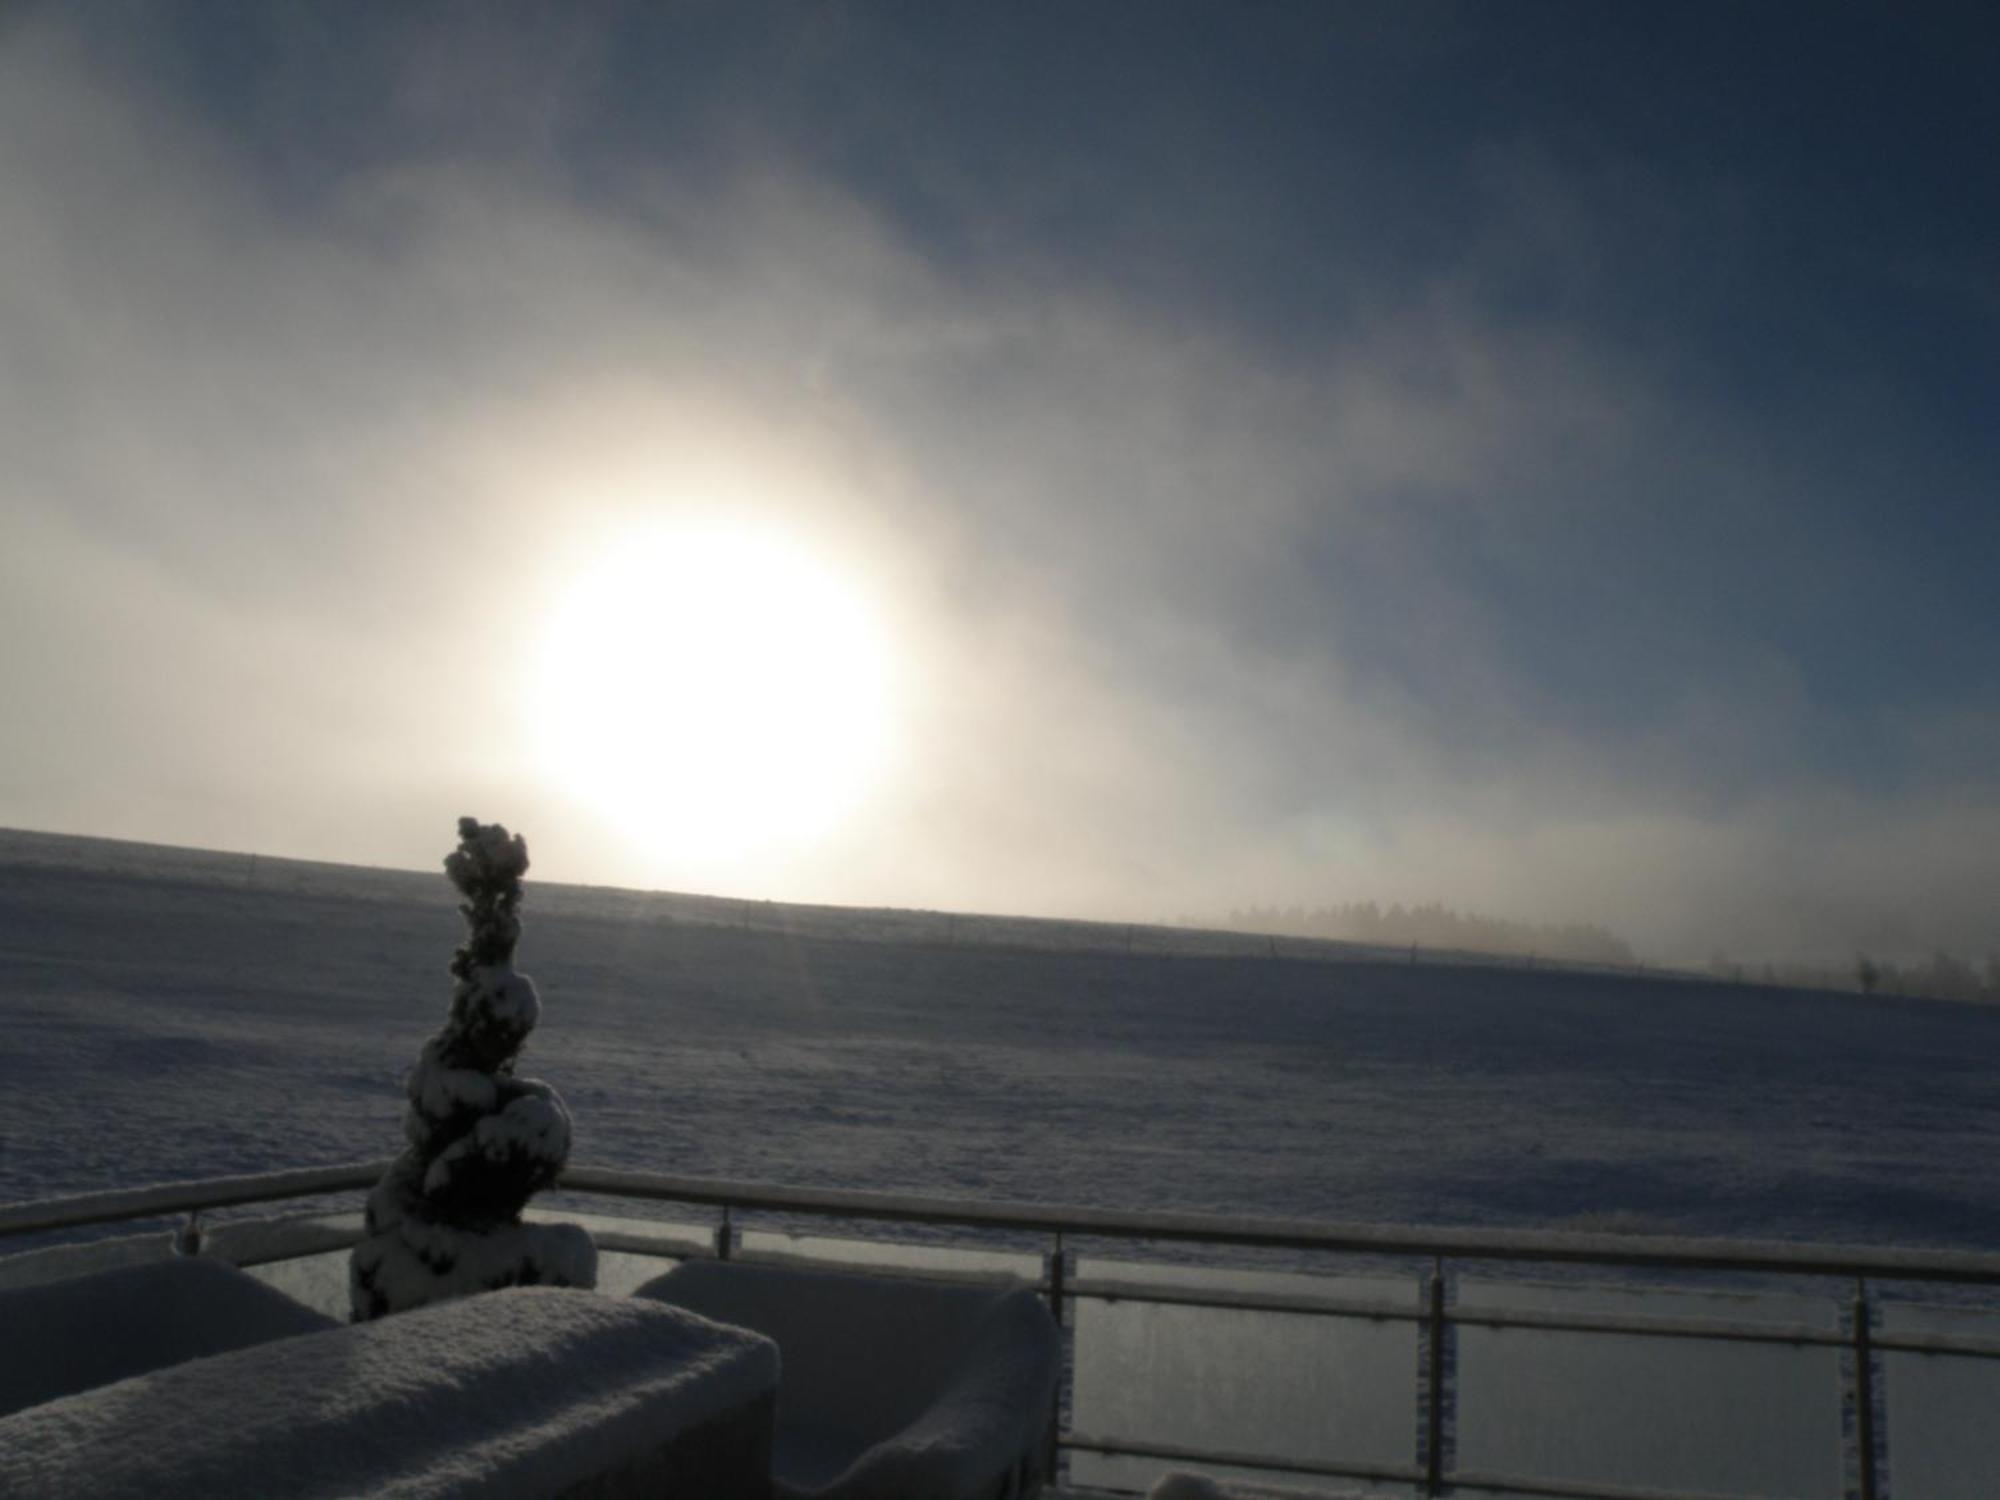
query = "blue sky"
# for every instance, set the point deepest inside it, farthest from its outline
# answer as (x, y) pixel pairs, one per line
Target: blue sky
(1537, 456)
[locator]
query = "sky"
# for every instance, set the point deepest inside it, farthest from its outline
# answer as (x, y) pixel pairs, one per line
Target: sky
(1101, 460)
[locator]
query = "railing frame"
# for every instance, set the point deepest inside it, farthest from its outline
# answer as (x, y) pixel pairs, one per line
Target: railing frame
(1433, 1314)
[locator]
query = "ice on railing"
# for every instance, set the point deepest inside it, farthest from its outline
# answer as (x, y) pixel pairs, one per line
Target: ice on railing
(850, 1253)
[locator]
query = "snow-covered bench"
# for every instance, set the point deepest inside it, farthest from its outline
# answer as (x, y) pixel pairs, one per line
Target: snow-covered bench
(68, 1336)
(527, 1392)
(892, 1389)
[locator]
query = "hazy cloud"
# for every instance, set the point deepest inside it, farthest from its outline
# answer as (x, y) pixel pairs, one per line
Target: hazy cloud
(1469, 593)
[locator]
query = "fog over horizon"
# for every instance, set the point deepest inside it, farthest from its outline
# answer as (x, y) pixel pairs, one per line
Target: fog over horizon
(1380, 455)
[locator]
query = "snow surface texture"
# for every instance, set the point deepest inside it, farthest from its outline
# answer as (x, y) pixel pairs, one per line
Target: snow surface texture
(960, 1380)
(70, 1336)
(171, 1014)
(446, 1218)
(525, 1393)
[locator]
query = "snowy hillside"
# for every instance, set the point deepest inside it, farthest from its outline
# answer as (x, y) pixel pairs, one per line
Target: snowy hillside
(169, 1013)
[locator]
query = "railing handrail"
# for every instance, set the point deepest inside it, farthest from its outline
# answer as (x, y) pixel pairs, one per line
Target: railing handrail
(1873, 1263)
(1435, 1472)
(158, 1200)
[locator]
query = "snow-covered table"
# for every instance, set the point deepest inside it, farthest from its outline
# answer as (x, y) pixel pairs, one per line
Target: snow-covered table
(527, 1392)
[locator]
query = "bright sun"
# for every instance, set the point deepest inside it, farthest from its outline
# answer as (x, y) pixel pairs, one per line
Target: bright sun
(718, 688)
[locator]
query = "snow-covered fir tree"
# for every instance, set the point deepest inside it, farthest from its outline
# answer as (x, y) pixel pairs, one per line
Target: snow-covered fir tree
(445, 1219)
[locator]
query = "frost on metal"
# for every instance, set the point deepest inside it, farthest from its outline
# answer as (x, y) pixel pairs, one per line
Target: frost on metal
(445, 1219)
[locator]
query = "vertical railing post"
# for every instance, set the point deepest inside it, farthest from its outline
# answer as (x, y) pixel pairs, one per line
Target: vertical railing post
(1058, 1299)
(1434, 1331)
(1864, 1393)
(725, 1236)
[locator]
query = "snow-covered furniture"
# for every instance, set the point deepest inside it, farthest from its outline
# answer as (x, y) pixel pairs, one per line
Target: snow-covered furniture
(892, 1389)
(68, 1336)
(528, 1392)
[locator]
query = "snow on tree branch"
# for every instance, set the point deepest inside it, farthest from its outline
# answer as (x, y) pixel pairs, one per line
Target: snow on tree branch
(445, 1219)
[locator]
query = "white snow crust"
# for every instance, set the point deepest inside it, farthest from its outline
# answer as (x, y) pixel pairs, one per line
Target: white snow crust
(438, 1091)
(533, 1126)
(525, 1392)
(507, 995)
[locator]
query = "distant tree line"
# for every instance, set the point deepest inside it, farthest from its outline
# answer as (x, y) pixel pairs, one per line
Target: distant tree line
(1435, 925)
(1942, 976)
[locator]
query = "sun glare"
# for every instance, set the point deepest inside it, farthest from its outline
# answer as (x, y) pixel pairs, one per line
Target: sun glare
(720, 689)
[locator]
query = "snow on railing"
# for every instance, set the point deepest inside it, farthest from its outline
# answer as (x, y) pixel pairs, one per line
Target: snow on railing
(1433, 1314)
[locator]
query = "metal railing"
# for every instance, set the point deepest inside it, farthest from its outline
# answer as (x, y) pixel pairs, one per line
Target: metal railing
(1433, 1314)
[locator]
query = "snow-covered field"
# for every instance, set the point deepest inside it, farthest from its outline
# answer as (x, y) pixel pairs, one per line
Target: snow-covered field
(169, 1014)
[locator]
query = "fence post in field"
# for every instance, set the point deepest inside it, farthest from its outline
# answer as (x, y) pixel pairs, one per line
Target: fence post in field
(1434, 1348)
(1057, 1276)
(1864, 1394)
